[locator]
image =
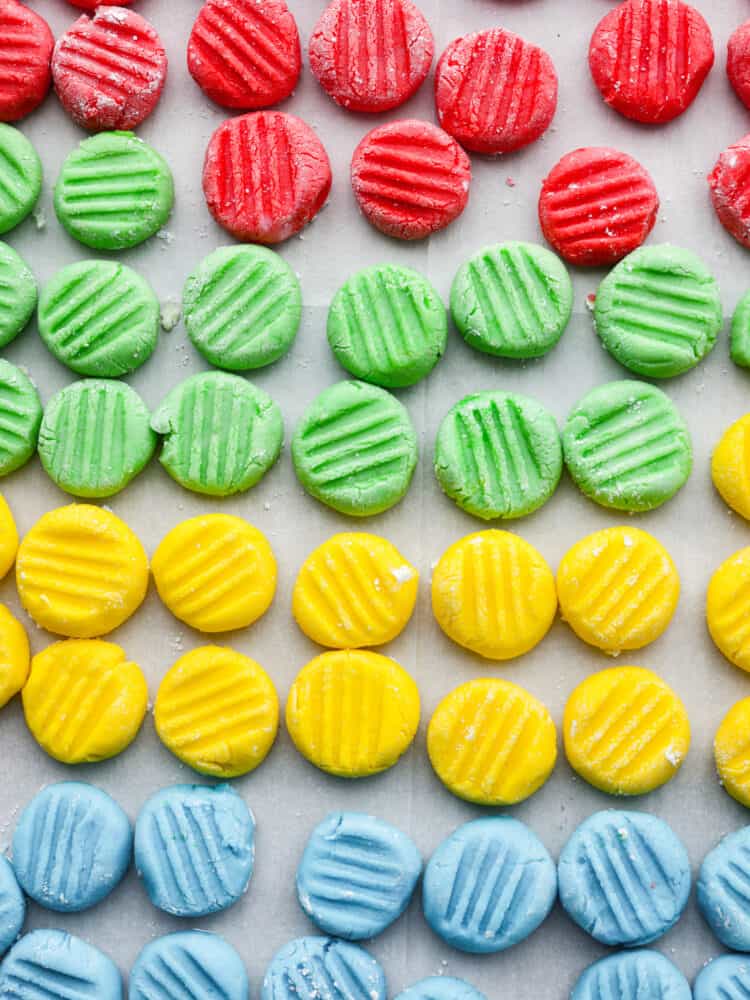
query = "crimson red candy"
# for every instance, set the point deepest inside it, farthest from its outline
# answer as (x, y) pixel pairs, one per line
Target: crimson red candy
(649, 58)
(109, 69)
(266, 175)
(729, 182)
(597, 205)
(26, 44)
(371, 55)
(244, 54)
(494, 91)
(738, 62)
(410, 179)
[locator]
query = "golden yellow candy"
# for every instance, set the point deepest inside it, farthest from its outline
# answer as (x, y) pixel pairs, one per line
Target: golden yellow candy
(8, 537)
(14, 656)
(352, 713)
(81, 571)
(84, 700)
(491, 742)
(732, 751)
(216, 573)
(728, 608)
(626, 731)
(494, 593)
(618, 588)
(354, 590)
(730, 466)
(218, 711)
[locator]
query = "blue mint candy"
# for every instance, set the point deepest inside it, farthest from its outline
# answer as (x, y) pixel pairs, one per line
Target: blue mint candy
(724, 890)
(632, 975)
(195, 848)
(50, 964)
(489, 885)
(726, 978)
(441, 988)
(624, 877)
(71, 847)
(357, 875)
(189, 964)
(319, 968)
(12, 905)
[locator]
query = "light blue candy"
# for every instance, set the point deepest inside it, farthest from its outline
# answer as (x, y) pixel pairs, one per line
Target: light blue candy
(195, 848)
(71, 847)
(724, 890)
(632, 975)
(726, 978)
(189, 964)
(441, 988)
(50, 964)
(12, 905)
(357, 875)
(489, 885)
(319, 968)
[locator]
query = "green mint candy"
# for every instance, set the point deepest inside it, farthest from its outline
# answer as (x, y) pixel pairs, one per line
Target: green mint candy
(20, 417)
(18, 293)
(739, 342)
(20, 177)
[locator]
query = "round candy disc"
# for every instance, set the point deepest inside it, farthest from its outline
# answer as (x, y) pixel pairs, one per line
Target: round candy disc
(84, 700)
(739, 344)
(648, 973)
(8, 537)
(204, 964)
(491, 742)
(732, 752)
(81, 571)
(387, 325)
(494, 91)
(44, 962)
(24, 60)
(730, 190)
(14, 658)
(597, 205)
(20, 418)
(243, 54)
(221, 434)
(113, 191)
(498, 454)
(99, 318)
(71, 847)
(18, 294)
(627, 447)
(289, 157)
(12, 905)
(722, 893)
(355, 449)
(371, 55)
(312, 968)
(730, 466)
(410, 179)
(95, 437)
(20, 177)
(728, 608)
(217, 711)
(109, 69)
(371, 717)
(242, 307)
(625, 731)
(726, 976)
(738, 62)
(441, 988)
(649, 58)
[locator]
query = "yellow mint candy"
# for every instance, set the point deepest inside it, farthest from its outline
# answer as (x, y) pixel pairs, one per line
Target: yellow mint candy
(14, 656)
(84, 700)
(216, 572)
(626, 731)
(728, 608)
(218, 711)
(732, 751)
(491, 742)
(352, 712)
(730, 466)
(618, 589)
(494, 593)
(354, 590)
(8, 537)
(81, 571)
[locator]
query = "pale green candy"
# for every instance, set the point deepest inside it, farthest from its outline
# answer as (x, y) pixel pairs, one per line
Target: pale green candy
(20, 177)
(739, 343)
(18, 294)
(20, 417)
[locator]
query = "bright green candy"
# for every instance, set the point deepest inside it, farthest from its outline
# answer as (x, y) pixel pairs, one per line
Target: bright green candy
(20, 417)
(739, 344)
(221, 434)
(512, 300)
(113, 191)
(627, 447)
(498, 454)
(658, 312)
(355, 449)
(242, 307)
(99, 318)
(18, 293)
(95, 437)
(387, 325)
(20, 177)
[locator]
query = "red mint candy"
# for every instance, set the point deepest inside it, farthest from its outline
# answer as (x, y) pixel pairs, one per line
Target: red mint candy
(266, 175)
(729, 182)
(26, 44)
(109, 69)
(245, 54)
(597, 205)
(738, 62)
(371, 55)
(649, 58)
(410, 179)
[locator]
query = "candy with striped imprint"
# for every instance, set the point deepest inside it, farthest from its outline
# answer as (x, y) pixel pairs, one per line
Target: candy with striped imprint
(723, 890)
(20, 418)
(193, 964)
(313, 968)
(727, 977)
(25, 55)
(648, 973)
(12, 905)
(20, 177)
(732, 752)
(50, 963)
(727, 608)
(19, 294)
(14, 656)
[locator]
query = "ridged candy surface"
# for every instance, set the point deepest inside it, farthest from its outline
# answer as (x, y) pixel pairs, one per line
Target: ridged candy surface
(313, 968)
(728, 608)
(724, 890)
(18, 294)
(14, 656)
(188, 965)
(488, 886)
(20, 177)
(441, 988)
(630, 974)
(726, 977)
(732, 751)
(12, 905)
(50, 963)
(24, 60)
(730, 466)
(20, 417)
(729, 184)
(8, 537)
(739, 344)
